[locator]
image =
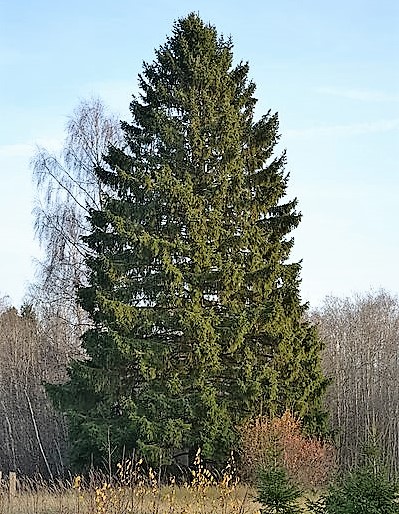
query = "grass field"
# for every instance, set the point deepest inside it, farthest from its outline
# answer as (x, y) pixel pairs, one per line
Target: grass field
(196, 498)
(133, 490)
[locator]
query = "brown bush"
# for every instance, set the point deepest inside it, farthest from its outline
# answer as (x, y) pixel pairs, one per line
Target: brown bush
(308, 461)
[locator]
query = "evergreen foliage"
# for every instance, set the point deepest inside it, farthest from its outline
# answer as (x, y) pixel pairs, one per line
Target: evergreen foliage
(364, 491)
(197, 317)
(367, 489)
(276, 493)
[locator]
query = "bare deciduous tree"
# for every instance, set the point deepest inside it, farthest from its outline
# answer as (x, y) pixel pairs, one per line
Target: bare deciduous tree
(68, 189)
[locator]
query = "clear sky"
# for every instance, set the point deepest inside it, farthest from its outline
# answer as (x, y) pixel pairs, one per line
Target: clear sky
(330, 68)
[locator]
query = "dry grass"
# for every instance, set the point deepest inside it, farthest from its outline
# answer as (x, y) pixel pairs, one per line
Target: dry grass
(105, 499)
(137, 492)
(115, 500)
(133, 491)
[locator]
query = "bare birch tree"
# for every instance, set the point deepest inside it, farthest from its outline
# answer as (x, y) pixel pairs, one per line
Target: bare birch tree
(68, 189)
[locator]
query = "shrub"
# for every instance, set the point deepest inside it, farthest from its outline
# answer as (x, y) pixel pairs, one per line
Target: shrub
(308, 460)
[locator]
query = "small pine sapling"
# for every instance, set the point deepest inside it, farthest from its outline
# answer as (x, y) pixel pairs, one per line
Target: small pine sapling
(276, 493)
(365, 490)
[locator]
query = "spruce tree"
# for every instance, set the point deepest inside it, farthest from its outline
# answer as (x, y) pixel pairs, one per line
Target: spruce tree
(197, 317)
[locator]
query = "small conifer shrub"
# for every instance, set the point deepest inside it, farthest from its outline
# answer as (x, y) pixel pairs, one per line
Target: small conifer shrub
(276, 493)
(363, 491)
(367, 489)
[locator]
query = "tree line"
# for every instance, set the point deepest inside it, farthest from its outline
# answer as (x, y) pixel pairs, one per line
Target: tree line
(360, 359)
(166, 311)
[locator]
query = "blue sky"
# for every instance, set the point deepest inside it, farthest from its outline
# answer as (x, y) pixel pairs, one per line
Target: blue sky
(329, 68)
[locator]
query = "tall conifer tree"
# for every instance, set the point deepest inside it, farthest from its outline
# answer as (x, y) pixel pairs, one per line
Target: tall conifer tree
(198, 321)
